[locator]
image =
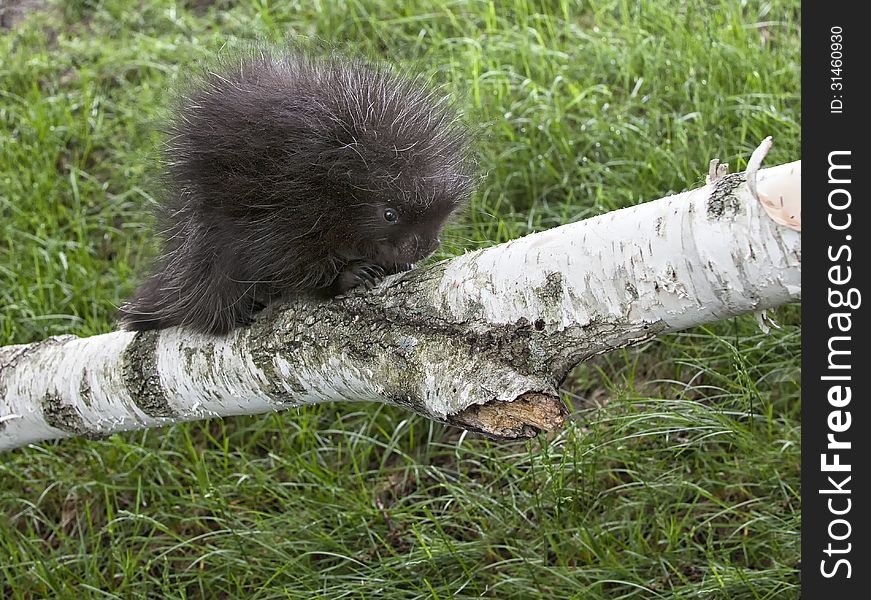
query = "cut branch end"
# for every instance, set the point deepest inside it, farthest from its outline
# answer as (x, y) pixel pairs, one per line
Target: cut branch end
(525, 417)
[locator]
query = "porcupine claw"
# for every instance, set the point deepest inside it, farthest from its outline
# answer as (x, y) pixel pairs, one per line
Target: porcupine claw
(356, 274)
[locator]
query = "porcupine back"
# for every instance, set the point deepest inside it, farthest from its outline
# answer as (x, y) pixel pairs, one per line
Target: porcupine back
(269, 161)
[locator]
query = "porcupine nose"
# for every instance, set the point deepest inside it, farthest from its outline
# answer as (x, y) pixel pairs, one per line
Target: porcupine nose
(415, 247)
(423, 246)
(432, 246)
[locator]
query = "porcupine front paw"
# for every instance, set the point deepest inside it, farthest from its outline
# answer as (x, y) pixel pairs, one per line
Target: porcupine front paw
(355, 274)
(401, 268)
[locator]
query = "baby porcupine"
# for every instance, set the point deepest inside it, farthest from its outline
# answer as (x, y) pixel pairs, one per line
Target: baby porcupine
(292, 174)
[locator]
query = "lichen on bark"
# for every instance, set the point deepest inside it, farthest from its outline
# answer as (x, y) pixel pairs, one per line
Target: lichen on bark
(142, 377)
(722, 201)
(65, 417)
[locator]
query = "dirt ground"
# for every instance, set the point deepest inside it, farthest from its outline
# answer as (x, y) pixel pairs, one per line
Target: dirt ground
(13, 12)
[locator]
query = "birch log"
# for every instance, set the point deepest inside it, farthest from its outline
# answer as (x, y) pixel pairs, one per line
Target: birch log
(481, 341)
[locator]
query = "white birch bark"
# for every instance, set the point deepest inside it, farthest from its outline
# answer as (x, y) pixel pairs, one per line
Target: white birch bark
(481, 341)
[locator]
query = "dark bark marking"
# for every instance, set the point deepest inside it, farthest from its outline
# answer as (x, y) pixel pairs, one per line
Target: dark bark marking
(141, 377)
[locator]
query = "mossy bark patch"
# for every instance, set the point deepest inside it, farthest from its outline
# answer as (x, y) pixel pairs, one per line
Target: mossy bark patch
(66, 418)
(272, 335)
(142, 378)
(722, 201)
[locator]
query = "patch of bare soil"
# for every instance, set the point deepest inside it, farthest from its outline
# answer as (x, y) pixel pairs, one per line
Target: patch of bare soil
(12, 12)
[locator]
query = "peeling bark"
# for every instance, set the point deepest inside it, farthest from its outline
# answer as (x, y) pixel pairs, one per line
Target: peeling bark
(481, 341)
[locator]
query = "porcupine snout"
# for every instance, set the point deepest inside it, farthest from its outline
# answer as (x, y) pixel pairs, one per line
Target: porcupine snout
(409, 250)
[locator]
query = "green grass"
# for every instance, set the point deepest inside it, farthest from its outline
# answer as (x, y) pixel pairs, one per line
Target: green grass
(678, 475)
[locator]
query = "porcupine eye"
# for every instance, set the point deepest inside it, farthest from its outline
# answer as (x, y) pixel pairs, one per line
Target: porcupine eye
(390, 215)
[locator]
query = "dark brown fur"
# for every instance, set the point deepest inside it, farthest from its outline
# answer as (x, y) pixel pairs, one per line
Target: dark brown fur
(282, 170)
